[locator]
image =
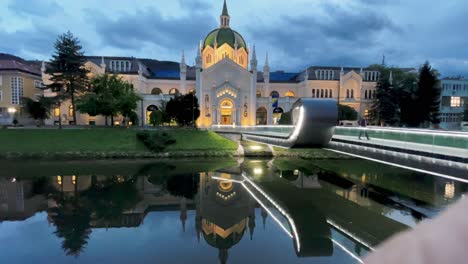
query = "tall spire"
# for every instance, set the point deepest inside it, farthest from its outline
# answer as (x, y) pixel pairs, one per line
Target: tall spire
(225, 10)
(383, 60)
(225, 16)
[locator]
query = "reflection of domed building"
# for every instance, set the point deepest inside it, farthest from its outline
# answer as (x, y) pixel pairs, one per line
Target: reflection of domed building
(224, 212)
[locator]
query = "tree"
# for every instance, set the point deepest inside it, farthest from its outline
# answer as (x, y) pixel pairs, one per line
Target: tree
(286, 118)
(109, 95)
(385, 108)
(428, 95)
(184, 109)
(465, 113)
(346, 113)
(40, 109)
(68, 74)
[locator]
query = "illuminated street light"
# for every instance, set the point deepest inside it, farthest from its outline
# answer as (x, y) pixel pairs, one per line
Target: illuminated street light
(12, 110)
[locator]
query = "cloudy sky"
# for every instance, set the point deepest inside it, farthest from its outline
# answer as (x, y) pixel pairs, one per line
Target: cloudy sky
(295, 33)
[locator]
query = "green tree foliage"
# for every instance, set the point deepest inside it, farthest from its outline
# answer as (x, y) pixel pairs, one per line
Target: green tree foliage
(72, 219)
(184, 109)
(40, 109)
(109, 95)
(385, 108)
(465, 113)
(156, 141)
(346, 113)
(286, 118)
(68, 74)
(428, 95)
(183, 185)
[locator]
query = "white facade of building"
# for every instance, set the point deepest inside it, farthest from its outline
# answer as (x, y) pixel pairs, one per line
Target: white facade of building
(454, 98)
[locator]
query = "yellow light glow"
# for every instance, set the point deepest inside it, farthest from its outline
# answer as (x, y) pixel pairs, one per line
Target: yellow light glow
(255, 148)
(74, 180)
(296, 172)
(11, 110)
(258, 171)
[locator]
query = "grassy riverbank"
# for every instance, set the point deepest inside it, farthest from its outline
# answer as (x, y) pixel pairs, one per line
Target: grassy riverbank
(102, 142)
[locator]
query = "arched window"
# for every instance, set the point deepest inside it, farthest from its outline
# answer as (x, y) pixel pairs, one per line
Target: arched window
(347, 93)
(192, 91)
(313, 92)
(352, 93)
(365, 94)
(261, 116)
(174, 91)
(57, 111)
(70, 110)
(156, 91)
(289, 94)
(149, 110)
(331, 93)
(259, 93)
(321, 93)
(274, 94)
(326, 93)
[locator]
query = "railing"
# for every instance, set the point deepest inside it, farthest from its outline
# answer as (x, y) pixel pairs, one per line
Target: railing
(278, 130)
(421, 136)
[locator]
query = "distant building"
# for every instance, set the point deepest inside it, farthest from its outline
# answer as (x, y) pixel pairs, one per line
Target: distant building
(18, 78)
(454, 97)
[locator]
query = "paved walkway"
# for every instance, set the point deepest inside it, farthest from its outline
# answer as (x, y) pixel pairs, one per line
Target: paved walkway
(455, 152)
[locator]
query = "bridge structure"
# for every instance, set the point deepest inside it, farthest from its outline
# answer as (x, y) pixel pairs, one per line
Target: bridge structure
(440, 153)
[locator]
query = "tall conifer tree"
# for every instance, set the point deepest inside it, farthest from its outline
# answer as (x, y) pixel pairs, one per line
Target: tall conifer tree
(66, 68)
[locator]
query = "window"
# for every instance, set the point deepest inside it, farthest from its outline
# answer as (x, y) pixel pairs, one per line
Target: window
(313, 92)
(321, 93)
(347, 93)
(365, 94)
(208, 58)
(56, 112)
(241, 59)
(156, 91)
(259, 93)
(70, 110)
(325, 74)
(352, 93)
(16, 90)
(455, 101)
(274, 94)
(289, 94)
(371, 76)
(120, 65)
(331, 93)
(326, 93)
(174, 91)
(38, 84)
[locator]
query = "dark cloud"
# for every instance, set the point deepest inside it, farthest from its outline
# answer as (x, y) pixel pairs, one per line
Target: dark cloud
(340, 37)
(130, 31)
(38, 41)
(35, 7)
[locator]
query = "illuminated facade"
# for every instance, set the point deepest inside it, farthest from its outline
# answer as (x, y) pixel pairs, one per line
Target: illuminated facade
(453, 100)
(230, 87)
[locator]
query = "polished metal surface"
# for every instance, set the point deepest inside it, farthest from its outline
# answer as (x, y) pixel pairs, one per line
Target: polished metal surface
(314, 121)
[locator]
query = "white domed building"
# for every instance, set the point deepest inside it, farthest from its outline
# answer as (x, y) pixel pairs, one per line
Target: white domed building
(228, 84)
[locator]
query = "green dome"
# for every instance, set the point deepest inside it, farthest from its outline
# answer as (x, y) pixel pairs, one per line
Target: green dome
(224, 35)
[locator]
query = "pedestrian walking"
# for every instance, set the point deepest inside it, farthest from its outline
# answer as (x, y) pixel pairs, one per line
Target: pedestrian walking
(363, 130)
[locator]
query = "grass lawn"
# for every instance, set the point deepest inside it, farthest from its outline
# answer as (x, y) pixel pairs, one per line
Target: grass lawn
(199, 140)
(103, 140)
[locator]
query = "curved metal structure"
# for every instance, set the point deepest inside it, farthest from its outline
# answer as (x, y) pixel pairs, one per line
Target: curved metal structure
(314, 122)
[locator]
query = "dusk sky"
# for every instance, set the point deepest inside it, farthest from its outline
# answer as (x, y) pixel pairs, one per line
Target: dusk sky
(296, 33)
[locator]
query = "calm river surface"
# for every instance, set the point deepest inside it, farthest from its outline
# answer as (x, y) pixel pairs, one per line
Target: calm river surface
(210, 211)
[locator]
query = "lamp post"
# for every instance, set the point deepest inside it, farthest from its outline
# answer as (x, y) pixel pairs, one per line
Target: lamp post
(12, 111)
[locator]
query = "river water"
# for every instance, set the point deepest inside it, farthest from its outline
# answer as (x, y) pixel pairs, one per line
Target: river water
(210, 211)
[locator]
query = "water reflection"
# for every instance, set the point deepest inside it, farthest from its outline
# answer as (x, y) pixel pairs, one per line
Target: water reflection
(322, 212)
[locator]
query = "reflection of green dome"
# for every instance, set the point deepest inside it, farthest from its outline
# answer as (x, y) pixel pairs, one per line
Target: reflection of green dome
(224, 35)
(223, 243)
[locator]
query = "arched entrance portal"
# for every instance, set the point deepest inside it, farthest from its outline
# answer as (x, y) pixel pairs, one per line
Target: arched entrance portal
(261, 116)
(149, 111)
(227, 110)
(277, 112)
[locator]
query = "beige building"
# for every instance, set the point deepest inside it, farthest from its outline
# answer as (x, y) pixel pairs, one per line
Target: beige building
(229, 84)
(18, 78)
